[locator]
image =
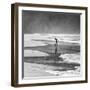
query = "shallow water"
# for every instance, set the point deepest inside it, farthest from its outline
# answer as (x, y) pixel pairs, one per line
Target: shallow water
(40, 59)
(41, 40)
(69, 67)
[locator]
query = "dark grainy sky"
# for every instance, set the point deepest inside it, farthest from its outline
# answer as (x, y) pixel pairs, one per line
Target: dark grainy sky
(50, 22)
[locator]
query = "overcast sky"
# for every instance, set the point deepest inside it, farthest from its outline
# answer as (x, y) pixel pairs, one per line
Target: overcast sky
(50, 22)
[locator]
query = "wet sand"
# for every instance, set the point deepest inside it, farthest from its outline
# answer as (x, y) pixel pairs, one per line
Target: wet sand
(41, 61)
(41, 68)
(35, 70)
